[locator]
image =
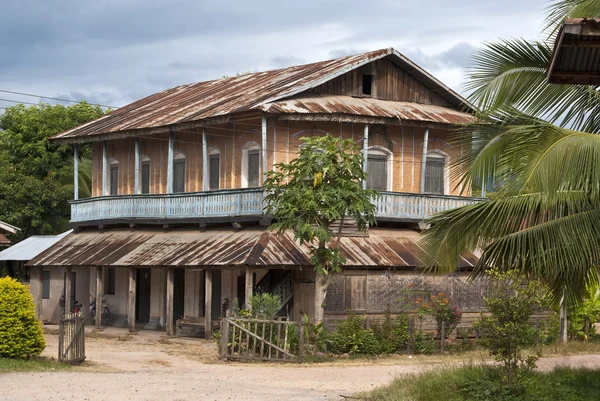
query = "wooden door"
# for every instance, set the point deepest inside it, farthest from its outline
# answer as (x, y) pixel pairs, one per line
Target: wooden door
(142, 302)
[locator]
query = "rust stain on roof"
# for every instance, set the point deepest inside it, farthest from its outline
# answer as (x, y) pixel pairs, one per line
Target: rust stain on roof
(212, 99)
(223, 248)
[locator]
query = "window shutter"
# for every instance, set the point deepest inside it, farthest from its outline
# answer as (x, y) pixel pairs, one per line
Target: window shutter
(434, 176)
(213, 170)
(377, 173)
(114, 180)
(253, 168)
(179, 176)
(146, 177)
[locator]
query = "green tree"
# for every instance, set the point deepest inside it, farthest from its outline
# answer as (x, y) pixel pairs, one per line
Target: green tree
(321, 186)
(540, 142)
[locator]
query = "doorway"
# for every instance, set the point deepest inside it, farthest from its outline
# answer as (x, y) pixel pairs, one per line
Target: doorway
(178, 293)
(142, 291)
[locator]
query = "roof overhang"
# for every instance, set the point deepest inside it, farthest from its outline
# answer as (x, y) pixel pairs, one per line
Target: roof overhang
(8, 228)
(576, 55)
(30, 247)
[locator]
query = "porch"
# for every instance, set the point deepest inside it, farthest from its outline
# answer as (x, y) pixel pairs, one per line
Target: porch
(238, 204)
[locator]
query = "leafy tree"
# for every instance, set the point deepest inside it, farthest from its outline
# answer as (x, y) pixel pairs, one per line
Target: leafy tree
(539, 140)
(321, 186)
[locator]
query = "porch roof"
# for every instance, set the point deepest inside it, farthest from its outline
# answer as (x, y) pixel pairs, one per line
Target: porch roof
(138, 247)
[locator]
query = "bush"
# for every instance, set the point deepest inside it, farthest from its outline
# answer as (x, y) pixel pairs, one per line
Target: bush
(265, 306)
(21, 334)
(351, 337)
(549, 329)
(422, 343)
(391, 333)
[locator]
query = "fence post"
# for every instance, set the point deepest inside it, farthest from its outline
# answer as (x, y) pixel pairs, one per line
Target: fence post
(443, 335)
(300, 342)
(61, 339)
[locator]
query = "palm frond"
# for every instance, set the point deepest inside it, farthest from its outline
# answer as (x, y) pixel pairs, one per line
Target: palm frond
(559, 10)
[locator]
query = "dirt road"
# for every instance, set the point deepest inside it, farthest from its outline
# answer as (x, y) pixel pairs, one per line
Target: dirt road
(150, 368)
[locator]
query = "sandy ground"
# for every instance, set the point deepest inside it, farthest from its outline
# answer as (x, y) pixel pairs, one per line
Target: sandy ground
(150, 367)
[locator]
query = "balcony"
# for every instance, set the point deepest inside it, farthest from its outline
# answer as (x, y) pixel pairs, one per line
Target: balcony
(238, 205)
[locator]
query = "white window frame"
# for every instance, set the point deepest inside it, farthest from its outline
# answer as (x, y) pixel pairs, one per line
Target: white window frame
(179, 155)
(381, 151)
(440, 154)
(111, 163)
(245, 149)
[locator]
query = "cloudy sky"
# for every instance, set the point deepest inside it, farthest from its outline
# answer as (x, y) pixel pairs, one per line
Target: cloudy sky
(116, 51)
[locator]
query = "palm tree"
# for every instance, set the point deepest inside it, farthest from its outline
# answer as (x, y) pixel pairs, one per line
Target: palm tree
(540, 141)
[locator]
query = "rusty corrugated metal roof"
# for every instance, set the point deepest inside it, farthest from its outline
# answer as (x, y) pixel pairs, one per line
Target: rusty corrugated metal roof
(224, 248)
(195, 102)
(576, 55)
(364, 106)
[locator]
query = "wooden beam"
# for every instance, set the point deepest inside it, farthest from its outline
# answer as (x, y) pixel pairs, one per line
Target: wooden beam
(99, 293)
(264, 148)
(131, 299)
(68, 305)
(76, 171)
(208, 304)
(365, 152)
(169, 303)
(104, 170)
(249, 288)
(39, 295)
(424, 160)
(170, 163)
(204, 161)
(136, 179)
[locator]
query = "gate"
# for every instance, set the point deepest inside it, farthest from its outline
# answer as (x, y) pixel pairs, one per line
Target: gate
(71, 338)
(265, 340)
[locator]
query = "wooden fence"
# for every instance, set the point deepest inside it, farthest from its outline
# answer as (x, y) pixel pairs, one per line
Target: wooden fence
(71, 338)
(257, 339)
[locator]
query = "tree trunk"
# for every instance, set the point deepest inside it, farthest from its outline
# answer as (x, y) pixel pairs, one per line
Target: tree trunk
(321, 284)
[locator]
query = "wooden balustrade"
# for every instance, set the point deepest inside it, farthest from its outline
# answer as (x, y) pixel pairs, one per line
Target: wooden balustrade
(241, 202)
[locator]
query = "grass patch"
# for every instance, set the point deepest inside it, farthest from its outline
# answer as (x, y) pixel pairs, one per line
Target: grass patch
(31, 365)
(482, 383)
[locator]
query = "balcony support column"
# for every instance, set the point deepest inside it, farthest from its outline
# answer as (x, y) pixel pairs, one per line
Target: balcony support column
(249, 288)
(424, 160)
(99, 293)
(204, 161)
(170, 162)
(208, 304)
(365, 152)
(104, 169)
(264, 148)
(169, 303)
(136, 179)
(131, 299)
(76, 171)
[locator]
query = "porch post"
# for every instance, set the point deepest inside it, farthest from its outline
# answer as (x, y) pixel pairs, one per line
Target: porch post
(249, 288)
(99, 292)
(208, 304)
(68, 290)
(76, 171)
(170, 163)
(39, 294)
(131, 299)
(136, 179)
(104, 170)
(264, 148)
(204, 161)
(424, 160)
(365, 152)
(169, 307)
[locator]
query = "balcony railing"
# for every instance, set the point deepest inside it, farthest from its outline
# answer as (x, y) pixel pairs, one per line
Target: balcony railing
(240, 203)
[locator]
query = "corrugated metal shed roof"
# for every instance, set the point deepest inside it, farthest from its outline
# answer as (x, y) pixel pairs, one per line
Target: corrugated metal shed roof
(31, 247)
(347, 105)
(8, 228)
(4, 240)
(576, 55)
(190, 103)
(224, 248)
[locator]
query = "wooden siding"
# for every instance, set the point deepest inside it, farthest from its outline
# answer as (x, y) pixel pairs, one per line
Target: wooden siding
(403, 144)
(390, 82)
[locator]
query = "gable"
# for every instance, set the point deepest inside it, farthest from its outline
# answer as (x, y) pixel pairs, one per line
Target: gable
(389, 82)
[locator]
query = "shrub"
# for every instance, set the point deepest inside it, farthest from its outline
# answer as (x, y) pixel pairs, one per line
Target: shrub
(507, 331)
(351, 337)
(549, 329)
(265, 305)
(422, 343)
(391, 333)
(443, 312)
(21, 334)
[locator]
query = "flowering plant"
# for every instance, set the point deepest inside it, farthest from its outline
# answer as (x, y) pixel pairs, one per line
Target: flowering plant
(441, 309)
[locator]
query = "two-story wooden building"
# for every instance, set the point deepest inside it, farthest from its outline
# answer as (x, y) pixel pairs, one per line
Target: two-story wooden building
(175, 225)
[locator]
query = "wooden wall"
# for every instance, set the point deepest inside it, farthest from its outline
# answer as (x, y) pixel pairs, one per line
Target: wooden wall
(404, 144)
(389, 83)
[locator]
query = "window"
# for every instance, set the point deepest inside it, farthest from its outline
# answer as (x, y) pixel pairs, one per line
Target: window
(109, 280)
(114, 178)
(251, 165)
(367, 84)
(145, 175)
(434, 174)
(377, 172)
(214, 165)
(179, 173)
(355, 293)
(253, 169)
(46, 285)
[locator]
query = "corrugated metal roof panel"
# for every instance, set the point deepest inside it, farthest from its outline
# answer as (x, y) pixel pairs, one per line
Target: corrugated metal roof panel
(363, 106)
(30, 247)
(205, 100)
(215, 248)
